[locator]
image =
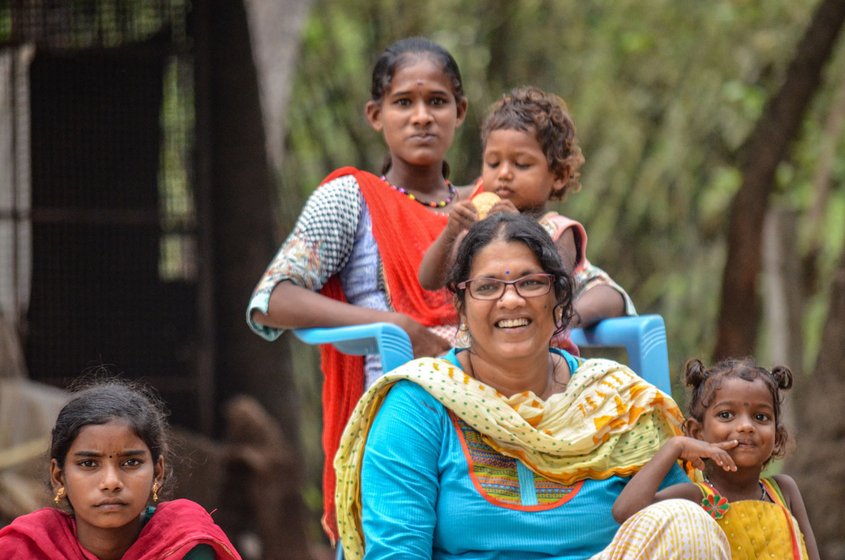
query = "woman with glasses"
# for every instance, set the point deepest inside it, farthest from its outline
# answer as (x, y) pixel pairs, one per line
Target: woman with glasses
(508, 448)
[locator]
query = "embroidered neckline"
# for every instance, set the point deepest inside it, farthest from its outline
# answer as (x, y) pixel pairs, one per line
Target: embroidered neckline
(717, 505)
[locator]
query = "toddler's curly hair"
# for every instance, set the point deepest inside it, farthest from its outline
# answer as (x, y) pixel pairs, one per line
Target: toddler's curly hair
(532, 110)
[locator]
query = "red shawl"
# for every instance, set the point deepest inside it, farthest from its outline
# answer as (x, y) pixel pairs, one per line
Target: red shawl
(175, 528)
(403, 230)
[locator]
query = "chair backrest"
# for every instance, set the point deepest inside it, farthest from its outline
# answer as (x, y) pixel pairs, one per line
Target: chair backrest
(643, 337)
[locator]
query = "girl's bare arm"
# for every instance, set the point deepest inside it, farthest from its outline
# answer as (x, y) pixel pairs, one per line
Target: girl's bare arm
(292, 306)
(641, 491)
(796, 505)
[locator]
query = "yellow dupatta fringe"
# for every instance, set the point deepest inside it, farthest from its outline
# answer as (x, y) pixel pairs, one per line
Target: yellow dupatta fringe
(607, 422)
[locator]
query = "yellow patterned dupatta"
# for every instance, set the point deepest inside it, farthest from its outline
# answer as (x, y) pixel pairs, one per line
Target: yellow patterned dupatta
(607, 422)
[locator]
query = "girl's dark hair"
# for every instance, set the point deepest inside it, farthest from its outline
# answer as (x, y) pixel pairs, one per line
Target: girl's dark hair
(514, 228)
(403, 52)
(98, 401)
(704, 382)
(532, 110)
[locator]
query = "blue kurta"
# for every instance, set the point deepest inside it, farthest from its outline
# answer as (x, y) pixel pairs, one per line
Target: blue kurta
(431, 488)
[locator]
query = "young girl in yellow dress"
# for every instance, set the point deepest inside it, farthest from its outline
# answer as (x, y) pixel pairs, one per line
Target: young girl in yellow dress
(735, 427)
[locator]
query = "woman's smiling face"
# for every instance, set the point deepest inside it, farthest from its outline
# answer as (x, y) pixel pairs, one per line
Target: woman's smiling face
(512, 327)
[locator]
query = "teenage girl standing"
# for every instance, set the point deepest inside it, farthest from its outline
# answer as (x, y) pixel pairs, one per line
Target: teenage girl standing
(353, 254)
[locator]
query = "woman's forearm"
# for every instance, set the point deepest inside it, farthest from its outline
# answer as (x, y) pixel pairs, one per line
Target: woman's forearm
(292, 306)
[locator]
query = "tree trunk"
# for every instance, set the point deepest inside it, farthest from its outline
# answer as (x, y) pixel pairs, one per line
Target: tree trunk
(817, 465)
(242, 230)
(274, 29)
(765, 148)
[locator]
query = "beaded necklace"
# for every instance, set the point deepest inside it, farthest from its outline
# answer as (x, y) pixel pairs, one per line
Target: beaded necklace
(431, 204)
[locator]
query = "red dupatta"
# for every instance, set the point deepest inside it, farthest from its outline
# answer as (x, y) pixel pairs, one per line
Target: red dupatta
(403, 230)
(175, 529)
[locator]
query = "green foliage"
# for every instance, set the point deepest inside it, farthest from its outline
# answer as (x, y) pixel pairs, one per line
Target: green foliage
(5, 23)
(663, 92)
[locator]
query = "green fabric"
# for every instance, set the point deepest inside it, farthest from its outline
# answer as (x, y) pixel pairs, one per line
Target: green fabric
(201, 552)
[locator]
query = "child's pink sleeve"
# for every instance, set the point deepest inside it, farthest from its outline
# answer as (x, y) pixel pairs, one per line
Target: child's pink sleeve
(556, 224)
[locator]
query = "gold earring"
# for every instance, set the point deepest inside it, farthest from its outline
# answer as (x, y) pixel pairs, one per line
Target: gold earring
(463, 339)
(155, 492)
(60, 493)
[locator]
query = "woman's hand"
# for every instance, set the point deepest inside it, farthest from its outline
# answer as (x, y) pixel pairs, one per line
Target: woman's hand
(696, 450)
(425, 343)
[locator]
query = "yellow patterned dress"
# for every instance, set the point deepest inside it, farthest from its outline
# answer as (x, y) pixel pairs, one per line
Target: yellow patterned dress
(755, 528)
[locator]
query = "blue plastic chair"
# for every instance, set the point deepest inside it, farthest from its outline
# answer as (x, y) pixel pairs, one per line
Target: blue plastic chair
(643, 337)
(386, 339)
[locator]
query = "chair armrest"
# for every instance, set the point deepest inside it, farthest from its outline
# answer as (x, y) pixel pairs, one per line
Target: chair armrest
(386, 339)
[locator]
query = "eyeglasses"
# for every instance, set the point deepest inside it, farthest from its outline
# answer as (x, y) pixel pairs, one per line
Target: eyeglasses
(529, 286)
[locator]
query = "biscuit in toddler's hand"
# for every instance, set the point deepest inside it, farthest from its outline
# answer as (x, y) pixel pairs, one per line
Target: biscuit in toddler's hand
(484, 202)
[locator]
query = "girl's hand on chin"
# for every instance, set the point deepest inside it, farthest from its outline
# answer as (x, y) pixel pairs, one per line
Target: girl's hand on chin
(696, 450)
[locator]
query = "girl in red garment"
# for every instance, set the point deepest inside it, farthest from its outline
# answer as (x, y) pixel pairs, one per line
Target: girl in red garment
(108, 468)
(353, 254)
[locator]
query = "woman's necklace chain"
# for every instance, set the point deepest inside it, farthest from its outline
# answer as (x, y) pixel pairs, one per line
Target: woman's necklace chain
(430, 203)
(760, 482)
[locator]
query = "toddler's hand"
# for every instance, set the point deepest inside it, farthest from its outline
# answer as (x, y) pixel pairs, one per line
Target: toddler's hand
(696, 450)
(504, 206)
(461, 217)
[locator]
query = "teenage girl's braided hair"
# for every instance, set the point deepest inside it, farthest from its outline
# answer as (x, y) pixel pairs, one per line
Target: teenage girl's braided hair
(704, 382)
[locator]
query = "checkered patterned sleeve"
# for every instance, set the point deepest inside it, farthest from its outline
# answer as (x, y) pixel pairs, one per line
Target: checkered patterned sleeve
(318, 247)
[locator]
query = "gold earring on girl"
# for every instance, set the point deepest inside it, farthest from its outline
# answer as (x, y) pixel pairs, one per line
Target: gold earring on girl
(60, 493)
(155, 492)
